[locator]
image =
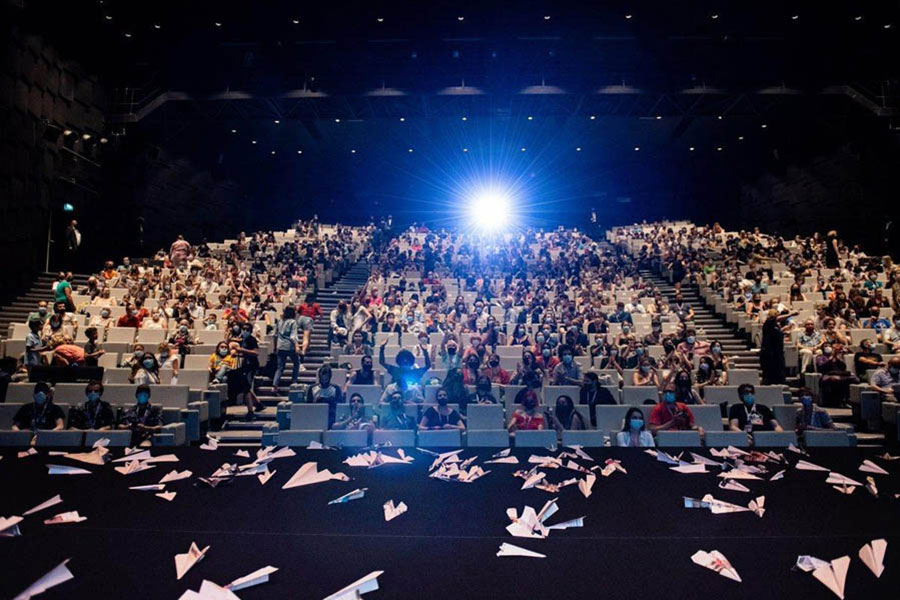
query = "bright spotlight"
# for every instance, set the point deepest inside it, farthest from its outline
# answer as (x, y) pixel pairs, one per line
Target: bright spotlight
(490, 210)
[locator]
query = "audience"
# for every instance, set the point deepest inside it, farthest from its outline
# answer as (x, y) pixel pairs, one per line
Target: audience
(633, 434)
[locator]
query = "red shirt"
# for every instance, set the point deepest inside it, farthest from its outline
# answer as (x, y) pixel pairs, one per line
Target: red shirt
(501, 376)
(74, 355)
(662, 414)
(526, 421)
(127, 320)
(310, 310)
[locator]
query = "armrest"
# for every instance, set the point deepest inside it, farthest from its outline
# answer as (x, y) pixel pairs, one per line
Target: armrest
(201, 407)
(213, 397)
(191, 421)
(889, 412)
(172, 434)
(283, 415)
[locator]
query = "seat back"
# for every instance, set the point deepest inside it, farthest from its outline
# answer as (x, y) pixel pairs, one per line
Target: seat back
(709, 417)
(820, 439)
(346, 439)
(769, 395)
(544, 438)
(395, 437)
(440, 438)
(786, 415)
(678, 439)
(636, 395)
(719, 439)
(552, 392)
(774, 439)
(590, 438)
(14, 438)
(309, 416)
(742, 376)
(70, 437)
(371, 394)
(484, 416)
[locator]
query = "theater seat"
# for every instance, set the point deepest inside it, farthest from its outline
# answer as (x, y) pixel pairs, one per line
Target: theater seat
(720, 439)
(487, 438)
(774, 439)
(292, 437)
(70, 437)
(117, 439)
(346, 439)
(9, 437)
(395, 437)
(819, 439)
(545, 438)
(678, 439)
(591, 438)
(440, 438)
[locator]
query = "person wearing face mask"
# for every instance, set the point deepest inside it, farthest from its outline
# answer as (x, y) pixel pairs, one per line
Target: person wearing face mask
(564, 416)
(364, 376)
(34, 345)
(520, 336)
(810, 416)
(143, 419)
(131, 318)
(356, 419)
(102, 321)
(41, 314)
(442, 417)
(749, 416)
(471, 369)
(395, 417)
(866, 358)
(405, 367)
(834, 387)
(220, 363)
(671, 415)
(645, 374)
(886, 380)
(357, 345)
(810, 345)
(144, 371)
(94, 413)
(528, 417)
(92, 348)
(891, 337)
(691, 346)
(567, 371)
(42, 413)
(482, 394)
(634, 434)
(545, 360)
(708, 375)
(494, 372)
(248, 352)
(325, 392)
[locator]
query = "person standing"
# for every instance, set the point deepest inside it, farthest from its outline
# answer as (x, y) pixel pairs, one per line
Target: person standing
(73, 243)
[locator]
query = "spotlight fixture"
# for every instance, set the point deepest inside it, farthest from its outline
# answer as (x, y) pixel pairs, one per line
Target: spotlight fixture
(637, 148)
(714, 16)
(763, 126)
(465, 149)
(410, 150)
(523, 148)
(252, 141)
(718, 148)
(337, 120)
(628, 16)
(353, 151)
(691, 149)
(380, 19)
(277, 121)
(234, 131)
(546, 17)
(103, 140)
(465, 118)
(295, 21)
(402, 119)
(127, 35)
(741, 138)
(460, 19)
(299, 151)
(67, 132)
(577, 148)
(658, 117)
(490, 210)
(273, 153)
(157, 26)
(858, 18)
(593, 117)
(217, 24)
(85, 136)
(530, 118)
(887, 26)
(107, 17)
(719, 117)
(794, 17)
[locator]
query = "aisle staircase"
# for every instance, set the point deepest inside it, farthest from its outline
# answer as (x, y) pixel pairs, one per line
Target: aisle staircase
(237, 430)
(17, 311)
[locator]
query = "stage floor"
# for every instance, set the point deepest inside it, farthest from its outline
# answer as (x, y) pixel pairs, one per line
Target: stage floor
(636, 542)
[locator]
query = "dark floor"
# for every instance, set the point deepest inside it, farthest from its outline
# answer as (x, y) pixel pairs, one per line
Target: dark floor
(636, 542)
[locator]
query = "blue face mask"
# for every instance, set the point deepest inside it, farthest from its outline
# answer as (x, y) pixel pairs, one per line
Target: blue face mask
(93, 396)
(691, 339)
(148, 364)
(636, 424)
(40, 398)
(749, 399)
(669, 396)
(567, 359)
(806, 400)
(143, 398)
(645, 368)
(639, 351)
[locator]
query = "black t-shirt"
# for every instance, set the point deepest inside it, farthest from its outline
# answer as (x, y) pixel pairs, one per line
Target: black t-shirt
(434, 419)
(363, 378)
(91, 348)
(251, 361)
(30, 416)
(91, 417)
(760, 415)
(861, 368)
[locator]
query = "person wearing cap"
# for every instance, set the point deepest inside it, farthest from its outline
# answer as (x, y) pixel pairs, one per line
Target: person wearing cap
(41, 413)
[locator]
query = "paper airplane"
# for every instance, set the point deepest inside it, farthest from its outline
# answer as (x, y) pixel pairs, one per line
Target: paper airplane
(154, 487)
(59, 574)
(174, 475)
(184, 562)
(717, 562)
(265, 476)
(94, 457)
(737, 474)
(734, 486)
(376, 459)
(666, 458)
(807, 563)
(510, 550)
(135, 455)
(308, 474)
(870, 485)
(574, 466)
(161, 459)
(26, 453)
(872, 555)
(887, 456)
(168, 496)
(616, 464)
(529, 524)
(102, 442)
(718, 507)
(503, 453)
(211, 444)
(533, 480)
(443, 457)
(134, 466)
(579, 450)
(777, 476)
(834, 575)
(354, 495)
(699, 459)
(9, 526)
(66, 470)
(209, 591)
(869, 467)
(845, 489)
(273, 454)
(242, 454)
(808, 466)
(794, 448)
(355, 590)
(579, 522)
(255, 578)
(549, 462)
(698, 468)
(758, 506)
(586, 484)
(392, 512)
(57, 499)
(507, 460)
(835, 478)
(66, 517)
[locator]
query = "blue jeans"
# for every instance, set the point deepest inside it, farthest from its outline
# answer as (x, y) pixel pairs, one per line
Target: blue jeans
(283, 356)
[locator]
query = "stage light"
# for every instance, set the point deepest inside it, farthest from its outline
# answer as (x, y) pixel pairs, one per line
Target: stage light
(795, 17)
(578, 149)
(523, 148)
(217, 24)
(295, 21)
(273, 153)
(490, 210)
(103, 140)
(887, 26)
(234, 131)
(380, 19)
(741, 138)
(691, 149)
(658, 117)
(108, 17)
(858, 18)
(410, 150)
(337, 120)
(353, 151)
(402, 119)
(546, 17)
(465, 149)
(593, 117)
(714, 16)
(460, 19)
(85, 136)
(719, 117)
(128, 35)
(530, 118)
(277, 121)
(718, 148)
(68, 208)
(637, 148)
(299, 151)
(67, 132)
(157, 26)
(627, 16)
(763, 126)
(252, 141)
(465, 118)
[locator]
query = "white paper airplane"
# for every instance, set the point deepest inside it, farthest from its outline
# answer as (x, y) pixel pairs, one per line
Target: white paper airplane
(758, 506)
(59, 574)
(666, 458)
(133, 455)
(184, 562)
(807, 563)
(579, 522)
(66, 517)
(834, 575)
(507, 460)
(699, 459)
(845, 489)
(808, 466)
(794, 448)
(255, 578)
(168, 496)
(94, 457)
(872, 555)
(510, 550)
(549, 462)
(532, 480)
(869, 467)
(718, 507)
(579, 450)
(737, 474)
(870, 485)
(355, 590)
(586, 484)
(777, 476)
(153, 487)
(734, 486)
(242, 454)
(26, 453)
(265, 476)
(57, 499)
(688, 468)
(211, 444)
(376, 459)
(308, 474)
(174, 475)
(887, 456)
(66, 470)
(9, 526)
(280, 453)
(616, 464)
(835, 478)
(503, 453)
(574, 466)
(354, 495)
(134, 466)
(209, 591)
(443, 457)
(717, 562)
(391, 511)
(528, 525)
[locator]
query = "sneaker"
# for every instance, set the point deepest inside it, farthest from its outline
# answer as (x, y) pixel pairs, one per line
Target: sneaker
(301, 368)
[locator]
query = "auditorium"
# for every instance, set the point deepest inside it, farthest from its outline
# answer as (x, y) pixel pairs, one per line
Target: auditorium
(397, 300)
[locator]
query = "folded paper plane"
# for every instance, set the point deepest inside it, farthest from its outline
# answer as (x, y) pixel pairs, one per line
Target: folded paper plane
(870, 485)
(9, 526)
(265, 476)
(717, 562)
(66, 517)
(98, 456)
(392, 512)
(845, 489)
(579, 522)
(838, 479)
(209, 591)
(734, 486)
(168, 496)
(135, 455)
(808, 466)
(59, 574)
(576, 467)
(533, 480)
(373, 459)
(666, 458)
(777, 476)
(869, 467)
(872, 555)
(66, 470)
(308, 474)
(549, 462)
(503, 453)
(441, 458)
(586, 484)
(257, 577)
(26, 453)
(794, 448)
(737, 474)
(134, 466)
(689, 468)
(211, 444)
(174, 475)
(718, 507)
(57, 499)
(354, 495)
(154, 487)
(834, 575)
(184, 562)
(355, 590)
(807, 563)
(507, 460)
(242, 454)
(699, 459)
(510, 550)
